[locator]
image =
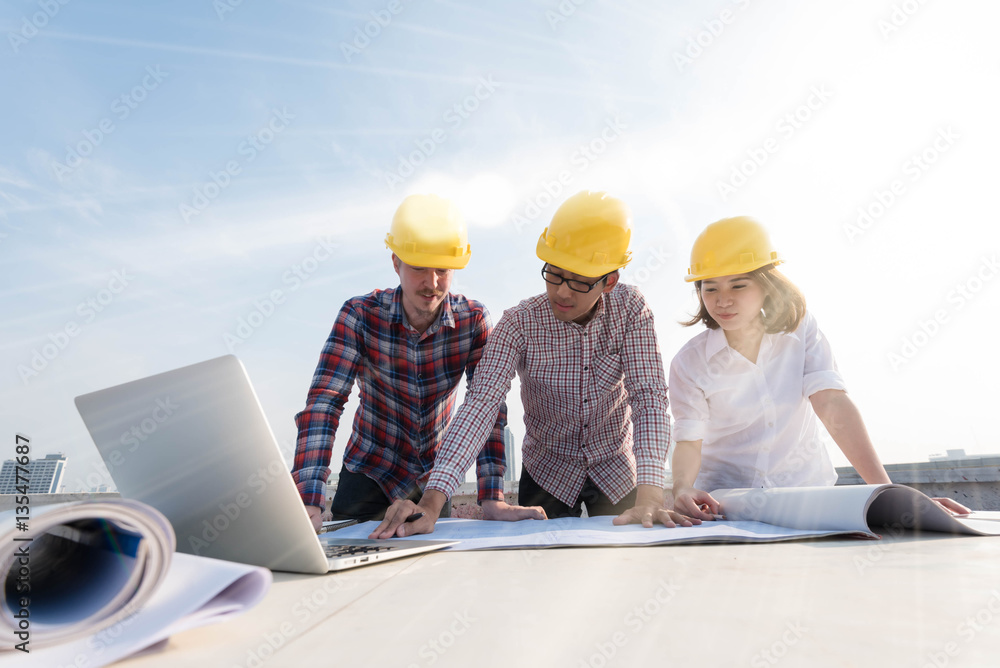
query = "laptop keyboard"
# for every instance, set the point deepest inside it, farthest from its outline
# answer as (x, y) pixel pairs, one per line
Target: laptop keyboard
(354, 550)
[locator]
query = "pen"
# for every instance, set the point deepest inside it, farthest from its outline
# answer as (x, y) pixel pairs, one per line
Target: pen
(414, 517)
(333, 526)
(704, 508)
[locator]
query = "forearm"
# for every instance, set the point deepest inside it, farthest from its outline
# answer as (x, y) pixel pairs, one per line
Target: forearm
(649, 495)
(686, 465)
(432, 502)
(842, 420)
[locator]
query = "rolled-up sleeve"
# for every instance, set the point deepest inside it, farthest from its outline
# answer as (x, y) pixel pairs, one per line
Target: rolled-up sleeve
(687, 402)
(819, 370)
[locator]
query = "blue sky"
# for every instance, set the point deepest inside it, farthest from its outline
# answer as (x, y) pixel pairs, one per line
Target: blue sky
(172, 170)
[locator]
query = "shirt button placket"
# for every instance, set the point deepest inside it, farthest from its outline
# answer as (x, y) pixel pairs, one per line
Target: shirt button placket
(413, 354)
(585, 383)
(767, 406)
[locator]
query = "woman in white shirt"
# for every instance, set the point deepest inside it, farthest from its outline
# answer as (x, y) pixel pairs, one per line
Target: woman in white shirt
(745, 393)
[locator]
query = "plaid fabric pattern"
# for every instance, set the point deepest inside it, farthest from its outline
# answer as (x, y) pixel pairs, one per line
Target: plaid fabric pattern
(595, 398)
(407, 383)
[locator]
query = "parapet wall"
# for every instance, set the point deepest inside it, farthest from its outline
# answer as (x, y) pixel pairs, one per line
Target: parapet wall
(973, 481)
(37, 500)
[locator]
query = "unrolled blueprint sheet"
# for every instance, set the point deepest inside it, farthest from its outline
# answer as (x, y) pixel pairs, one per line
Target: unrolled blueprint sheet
(788, 513)
(591, 532)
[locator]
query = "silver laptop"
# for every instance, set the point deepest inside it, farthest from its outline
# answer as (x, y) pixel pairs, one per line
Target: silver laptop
(194, 444)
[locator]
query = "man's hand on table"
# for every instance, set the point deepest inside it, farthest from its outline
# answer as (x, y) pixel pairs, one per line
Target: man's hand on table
(649, 510)
(501, 510)
(395, 523)
(315, 516)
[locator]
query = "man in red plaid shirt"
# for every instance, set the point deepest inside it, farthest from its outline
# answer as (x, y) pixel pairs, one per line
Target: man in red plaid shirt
(592, 385)
(408, 348)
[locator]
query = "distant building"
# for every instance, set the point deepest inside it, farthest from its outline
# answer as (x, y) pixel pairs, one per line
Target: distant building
(44, 475)
(955, 454)
(508, 447)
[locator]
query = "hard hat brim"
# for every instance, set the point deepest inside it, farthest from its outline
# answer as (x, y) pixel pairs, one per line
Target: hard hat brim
(432, 261)
(729, 270)
(569, 262)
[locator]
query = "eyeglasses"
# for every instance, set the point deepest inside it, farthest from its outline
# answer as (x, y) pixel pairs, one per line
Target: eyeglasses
(575, 286)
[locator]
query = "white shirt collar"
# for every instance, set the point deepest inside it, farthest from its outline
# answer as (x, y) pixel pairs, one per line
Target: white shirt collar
(715, 342)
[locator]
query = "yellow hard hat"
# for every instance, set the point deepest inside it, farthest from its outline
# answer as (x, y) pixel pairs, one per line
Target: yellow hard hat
(429, 231)
(731, 246)
(589, 235)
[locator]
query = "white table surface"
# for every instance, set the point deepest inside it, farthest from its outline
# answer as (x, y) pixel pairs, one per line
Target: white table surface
(904, 601)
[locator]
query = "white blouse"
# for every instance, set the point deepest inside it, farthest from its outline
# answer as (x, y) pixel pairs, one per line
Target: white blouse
(755, 421)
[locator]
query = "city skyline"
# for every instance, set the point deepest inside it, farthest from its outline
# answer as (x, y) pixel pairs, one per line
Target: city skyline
(44, 475)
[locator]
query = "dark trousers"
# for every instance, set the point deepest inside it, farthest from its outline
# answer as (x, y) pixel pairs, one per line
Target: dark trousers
(529, 493)
(358, 497)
